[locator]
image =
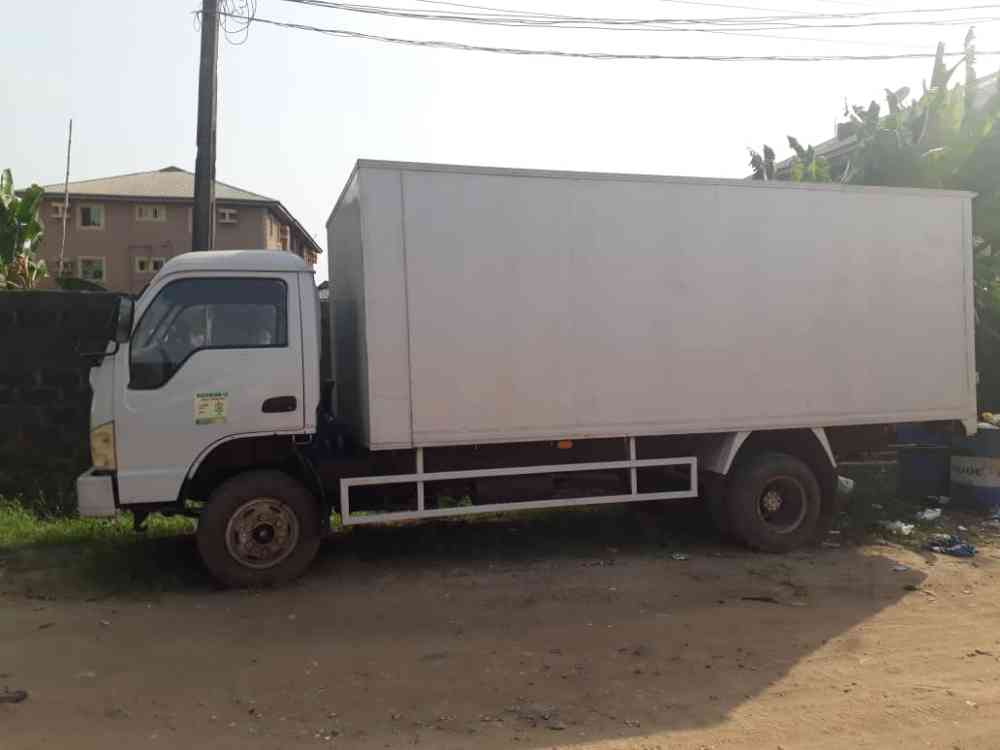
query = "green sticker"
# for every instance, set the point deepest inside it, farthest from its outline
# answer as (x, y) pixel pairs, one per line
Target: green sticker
(211, 408)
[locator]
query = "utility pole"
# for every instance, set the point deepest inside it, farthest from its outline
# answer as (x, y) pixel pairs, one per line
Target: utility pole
(203, 221)
(65, 212)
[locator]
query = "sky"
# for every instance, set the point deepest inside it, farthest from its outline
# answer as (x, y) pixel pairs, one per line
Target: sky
(296, 109)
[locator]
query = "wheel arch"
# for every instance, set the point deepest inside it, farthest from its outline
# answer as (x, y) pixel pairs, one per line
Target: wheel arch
(725, 452)
(721, 453)
(809, 444)
(236, 454)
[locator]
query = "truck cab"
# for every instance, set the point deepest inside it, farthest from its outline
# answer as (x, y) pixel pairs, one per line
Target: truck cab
(221, 347)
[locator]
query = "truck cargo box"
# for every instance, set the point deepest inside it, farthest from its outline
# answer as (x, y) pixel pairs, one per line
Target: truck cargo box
(476, 305)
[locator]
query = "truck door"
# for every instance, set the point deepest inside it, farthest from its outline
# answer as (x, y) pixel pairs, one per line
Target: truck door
(211, 357)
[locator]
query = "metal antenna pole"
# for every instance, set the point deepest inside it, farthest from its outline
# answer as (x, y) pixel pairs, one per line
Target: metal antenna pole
(65, 212)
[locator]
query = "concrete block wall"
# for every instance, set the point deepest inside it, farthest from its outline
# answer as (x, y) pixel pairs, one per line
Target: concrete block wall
(44, 392)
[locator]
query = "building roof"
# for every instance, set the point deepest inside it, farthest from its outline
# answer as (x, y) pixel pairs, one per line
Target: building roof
(236, 260)
(170, 184)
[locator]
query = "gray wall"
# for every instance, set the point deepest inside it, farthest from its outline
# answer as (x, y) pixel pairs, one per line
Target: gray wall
(44, 394)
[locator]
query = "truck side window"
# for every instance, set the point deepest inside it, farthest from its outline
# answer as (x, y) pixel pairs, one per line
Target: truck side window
(191, 315)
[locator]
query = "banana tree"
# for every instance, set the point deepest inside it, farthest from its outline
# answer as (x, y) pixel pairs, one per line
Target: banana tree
(762, 164)
(807, 166)
(20, 235)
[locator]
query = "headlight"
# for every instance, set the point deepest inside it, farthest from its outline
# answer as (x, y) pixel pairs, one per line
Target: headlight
(102, 446)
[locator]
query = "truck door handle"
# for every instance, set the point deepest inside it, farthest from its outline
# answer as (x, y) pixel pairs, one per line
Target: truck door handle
(277, 404)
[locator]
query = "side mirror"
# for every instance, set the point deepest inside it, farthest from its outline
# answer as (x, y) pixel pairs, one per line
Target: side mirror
(123, 319)
(122, 330)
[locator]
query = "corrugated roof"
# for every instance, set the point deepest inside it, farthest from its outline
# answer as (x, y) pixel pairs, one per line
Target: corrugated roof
(169, 182)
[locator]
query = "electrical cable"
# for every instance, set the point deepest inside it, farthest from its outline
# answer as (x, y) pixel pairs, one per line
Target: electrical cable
(236, 17)
(460, 46)
(752, 23)
(821, 40)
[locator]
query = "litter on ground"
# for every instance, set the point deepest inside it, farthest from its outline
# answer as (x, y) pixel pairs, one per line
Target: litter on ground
(949, 544)
(898, 527)
(931, 514)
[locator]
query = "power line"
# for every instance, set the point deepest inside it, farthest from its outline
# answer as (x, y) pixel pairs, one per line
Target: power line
(823, 40)
(699, 3)
(528, 19)
(460, 46)
(781, 37)
(702, 3)
(486, 7)
(534, 16)
(239, 17)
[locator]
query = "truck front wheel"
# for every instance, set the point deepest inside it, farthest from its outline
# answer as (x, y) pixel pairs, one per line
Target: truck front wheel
(260, 528)
(774, 502)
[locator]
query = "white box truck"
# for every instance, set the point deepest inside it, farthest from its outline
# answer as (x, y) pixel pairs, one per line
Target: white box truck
(508, 339)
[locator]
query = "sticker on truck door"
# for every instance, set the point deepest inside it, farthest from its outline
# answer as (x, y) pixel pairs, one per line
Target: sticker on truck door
(210, 408)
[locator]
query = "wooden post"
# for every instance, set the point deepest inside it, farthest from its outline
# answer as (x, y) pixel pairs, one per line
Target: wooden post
(203, 220)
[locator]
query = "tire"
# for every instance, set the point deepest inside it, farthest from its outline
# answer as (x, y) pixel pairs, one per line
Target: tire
(774, 503)
(260, 528)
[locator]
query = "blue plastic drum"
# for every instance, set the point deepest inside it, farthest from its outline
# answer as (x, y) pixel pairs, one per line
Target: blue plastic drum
(975, 469)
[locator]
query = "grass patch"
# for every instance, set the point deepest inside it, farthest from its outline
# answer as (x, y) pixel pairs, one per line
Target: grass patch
(19, 527)
(52, 557)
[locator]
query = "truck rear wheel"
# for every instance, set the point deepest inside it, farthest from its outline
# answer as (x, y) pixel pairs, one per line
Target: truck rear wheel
(260, 528)
(774, 502)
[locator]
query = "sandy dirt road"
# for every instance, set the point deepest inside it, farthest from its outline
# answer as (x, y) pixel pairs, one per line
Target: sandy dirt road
(505, 635)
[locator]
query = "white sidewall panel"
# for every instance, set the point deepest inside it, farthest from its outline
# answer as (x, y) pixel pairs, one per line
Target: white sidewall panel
(505, 306)
(386, 309)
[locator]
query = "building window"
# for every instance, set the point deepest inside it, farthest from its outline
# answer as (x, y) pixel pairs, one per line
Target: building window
(91, 217)
(65, 267)
(227, 215)
(148, 212)
(58, 210)
(92, 269)
(149, 265)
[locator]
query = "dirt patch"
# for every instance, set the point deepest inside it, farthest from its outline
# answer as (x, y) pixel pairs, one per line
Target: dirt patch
(581, 630)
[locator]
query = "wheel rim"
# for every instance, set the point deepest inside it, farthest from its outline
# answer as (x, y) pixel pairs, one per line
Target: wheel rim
(782, 504)
(262, 533)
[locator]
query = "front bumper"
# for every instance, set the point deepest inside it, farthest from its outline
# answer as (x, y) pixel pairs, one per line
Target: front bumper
(95, 494)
